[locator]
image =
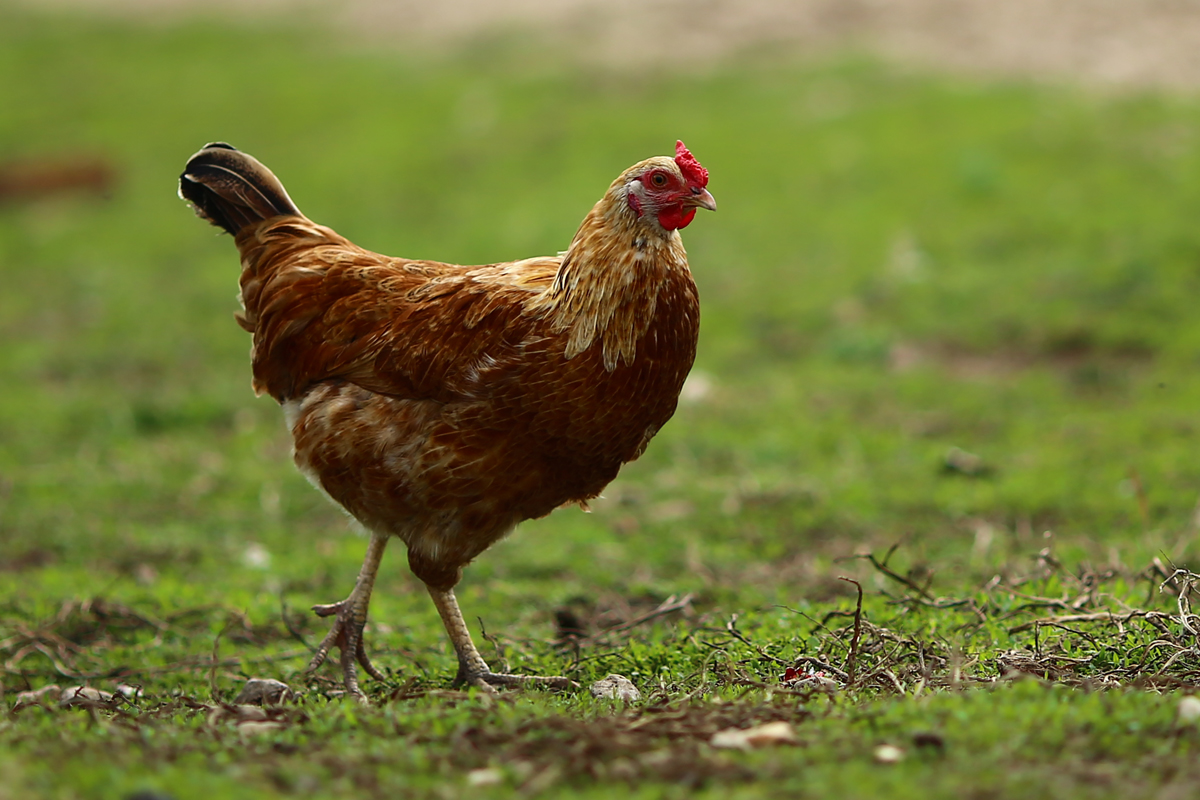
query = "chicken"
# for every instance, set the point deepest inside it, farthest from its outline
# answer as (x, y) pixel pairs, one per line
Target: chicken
(444, 404)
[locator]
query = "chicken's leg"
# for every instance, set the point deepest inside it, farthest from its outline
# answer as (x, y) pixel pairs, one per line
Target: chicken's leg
(472, 669)
(350, 615)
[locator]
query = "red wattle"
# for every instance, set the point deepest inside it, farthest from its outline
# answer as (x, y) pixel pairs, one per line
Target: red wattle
(675, 217)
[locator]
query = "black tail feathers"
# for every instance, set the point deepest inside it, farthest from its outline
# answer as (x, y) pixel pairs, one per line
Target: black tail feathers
(231, 189)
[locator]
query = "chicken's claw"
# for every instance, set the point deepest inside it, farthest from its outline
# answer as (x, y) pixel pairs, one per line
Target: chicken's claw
(346, 635)
(472, 669)
(350, 616)
(487, 680)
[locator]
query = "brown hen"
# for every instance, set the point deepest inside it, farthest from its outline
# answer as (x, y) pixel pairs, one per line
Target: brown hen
(444, 404)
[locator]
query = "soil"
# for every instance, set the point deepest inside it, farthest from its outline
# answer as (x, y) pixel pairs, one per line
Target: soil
(1115, 43)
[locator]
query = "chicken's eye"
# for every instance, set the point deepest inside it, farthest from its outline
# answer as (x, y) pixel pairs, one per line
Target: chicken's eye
(658, 179)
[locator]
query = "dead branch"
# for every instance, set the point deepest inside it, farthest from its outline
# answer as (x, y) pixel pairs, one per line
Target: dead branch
(852, 658)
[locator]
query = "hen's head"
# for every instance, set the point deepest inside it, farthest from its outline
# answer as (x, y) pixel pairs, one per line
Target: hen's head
(667, 190)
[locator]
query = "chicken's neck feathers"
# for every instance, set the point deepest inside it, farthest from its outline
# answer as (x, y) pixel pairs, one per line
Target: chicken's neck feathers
(608, 284)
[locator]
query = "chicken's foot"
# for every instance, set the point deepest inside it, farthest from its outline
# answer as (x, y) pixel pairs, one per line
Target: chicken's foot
(472, 669)
(350, 615)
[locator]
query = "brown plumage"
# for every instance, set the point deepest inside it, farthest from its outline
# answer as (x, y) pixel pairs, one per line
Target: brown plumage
(444, 404)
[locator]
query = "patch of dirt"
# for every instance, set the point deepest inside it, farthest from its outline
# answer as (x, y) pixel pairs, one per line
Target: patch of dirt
(1105, 42)
(1080, 361)
(34, 558)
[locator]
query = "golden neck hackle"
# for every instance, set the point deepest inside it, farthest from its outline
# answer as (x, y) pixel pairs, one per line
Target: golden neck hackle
(608, 285)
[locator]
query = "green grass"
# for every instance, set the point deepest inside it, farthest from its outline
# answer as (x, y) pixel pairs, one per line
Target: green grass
(902, 264)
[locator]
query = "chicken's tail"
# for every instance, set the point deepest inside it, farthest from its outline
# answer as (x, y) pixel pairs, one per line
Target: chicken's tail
(231, 189)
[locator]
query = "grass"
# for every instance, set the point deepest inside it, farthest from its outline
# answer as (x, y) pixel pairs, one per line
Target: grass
(946, 322)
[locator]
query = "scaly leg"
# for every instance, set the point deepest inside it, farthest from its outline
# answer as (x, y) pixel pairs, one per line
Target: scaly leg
(472, 668)
(350, 615)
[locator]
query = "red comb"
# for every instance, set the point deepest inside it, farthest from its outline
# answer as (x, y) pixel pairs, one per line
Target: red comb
(689, 166)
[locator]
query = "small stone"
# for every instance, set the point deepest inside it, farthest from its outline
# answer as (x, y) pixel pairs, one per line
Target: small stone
(237, 714)
(255, 556)
(730, 739)
(616, 687)
(1189, 709)
(964, 463)
(259, 727)
(36, 696)
(249, 713)
(484, 777)
(888, 754)
(83, 696)
(264, 692)
(129, 692)
(145, 574)
(772, 733)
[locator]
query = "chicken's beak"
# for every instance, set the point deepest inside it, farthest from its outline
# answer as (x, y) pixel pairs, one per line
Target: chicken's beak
(700, 198)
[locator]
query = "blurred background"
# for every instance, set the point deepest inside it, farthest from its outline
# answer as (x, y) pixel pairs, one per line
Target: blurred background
(948, 299)
(1117, 42)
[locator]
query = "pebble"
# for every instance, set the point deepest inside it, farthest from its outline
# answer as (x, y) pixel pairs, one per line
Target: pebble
(888, 754)
(259, 727)
(36, 696)
(616, 687)
(771, 733)
(83, 696)
(484, 777)
(263, 692)
(1189, 708)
